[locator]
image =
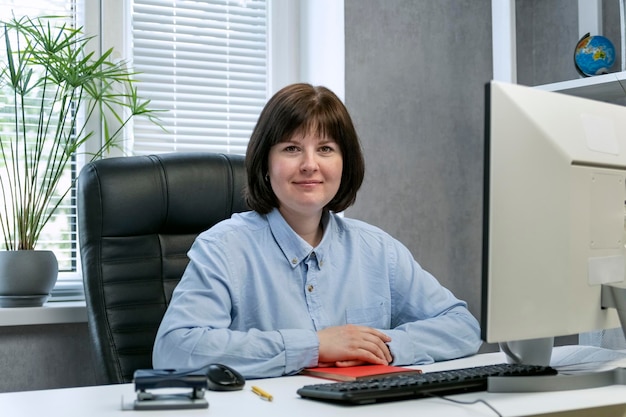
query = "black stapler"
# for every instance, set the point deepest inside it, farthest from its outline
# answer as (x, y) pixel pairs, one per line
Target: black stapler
(148, 380)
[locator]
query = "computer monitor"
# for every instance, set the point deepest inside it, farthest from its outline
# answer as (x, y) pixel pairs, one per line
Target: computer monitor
(554, 195)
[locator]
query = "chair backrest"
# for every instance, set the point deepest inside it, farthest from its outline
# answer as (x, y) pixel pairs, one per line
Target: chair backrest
(137, 218)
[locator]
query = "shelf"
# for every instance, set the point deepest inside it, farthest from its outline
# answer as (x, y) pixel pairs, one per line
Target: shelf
(607, 87)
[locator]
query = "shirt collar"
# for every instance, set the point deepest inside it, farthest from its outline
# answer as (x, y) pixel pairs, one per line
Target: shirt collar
(291, 244)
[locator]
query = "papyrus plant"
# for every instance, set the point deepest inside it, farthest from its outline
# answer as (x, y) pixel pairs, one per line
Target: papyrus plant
(57, 94)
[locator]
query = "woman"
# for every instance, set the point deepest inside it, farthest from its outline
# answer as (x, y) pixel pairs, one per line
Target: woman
(291, 284)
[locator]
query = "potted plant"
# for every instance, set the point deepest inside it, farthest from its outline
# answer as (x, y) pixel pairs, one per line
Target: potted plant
(58, 93)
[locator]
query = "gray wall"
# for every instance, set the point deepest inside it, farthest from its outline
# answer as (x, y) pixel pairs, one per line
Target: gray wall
(45, 356)
(545, 51)
(415, 76)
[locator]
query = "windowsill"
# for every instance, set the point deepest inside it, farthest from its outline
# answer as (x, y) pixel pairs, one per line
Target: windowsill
(55, 312)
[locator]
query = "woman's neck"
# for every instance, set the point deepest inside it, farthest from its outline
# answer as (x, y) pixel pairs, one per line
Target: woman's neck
(308, 228)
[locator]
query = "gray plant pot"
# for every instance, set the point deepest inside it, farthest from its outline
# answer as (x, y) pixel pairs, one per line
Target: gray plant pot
(27, 277)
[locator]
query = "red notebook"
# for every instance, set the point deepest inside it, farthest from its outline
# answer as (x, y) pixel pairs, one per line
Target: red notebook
(353, 373)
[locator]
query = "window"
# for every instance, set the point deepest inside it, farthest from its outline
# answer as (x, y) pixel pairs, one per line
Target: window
(59, 234)
(205, 63)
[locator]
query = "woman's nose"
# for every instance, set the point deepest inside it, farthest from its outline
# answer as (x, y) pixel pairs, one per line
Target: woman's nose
(309, 161)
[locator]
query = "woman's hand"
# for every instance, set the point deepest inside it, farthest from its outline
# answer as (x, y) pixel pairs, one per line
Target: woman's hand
(351, 345)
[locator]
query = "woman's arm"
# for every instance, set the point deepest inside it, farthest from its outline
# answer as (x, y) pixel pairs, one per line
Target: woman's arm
(428, 322)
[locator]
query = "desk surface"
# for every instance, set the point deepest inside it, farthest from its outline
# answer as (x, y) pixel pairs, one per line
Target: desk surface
(107, 400)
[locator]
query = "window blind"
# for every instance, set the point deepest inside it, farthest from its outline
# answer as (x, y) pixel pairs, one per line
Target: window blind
(205, 64)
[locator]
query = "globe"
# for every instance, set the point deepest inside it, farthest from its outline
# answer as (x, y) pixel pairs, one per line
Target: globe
(594, 55)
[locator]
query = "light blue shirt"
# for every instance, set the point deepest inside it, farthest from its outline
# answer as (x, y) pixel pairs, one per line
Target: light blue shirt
(255, 293)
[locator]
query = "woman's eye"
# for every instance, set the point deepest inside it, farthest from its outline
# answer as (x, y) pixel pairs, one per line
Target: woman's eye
(291, 148)
(326, 149)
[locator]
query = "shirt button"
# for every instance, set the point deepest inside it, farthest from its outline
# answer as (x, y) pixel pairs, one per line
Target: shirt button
(310, 288)
(294, 261)
(321, 263)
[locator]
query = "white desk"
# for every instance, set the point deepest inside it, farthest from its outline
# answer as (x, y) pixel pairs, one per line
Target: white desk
(107, 401)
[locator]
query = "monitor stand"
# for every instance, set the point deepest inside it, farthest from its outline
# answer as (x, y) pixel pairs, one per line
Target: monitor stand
(535, 352)
(556, 382)
(613, 296)
(530, 352)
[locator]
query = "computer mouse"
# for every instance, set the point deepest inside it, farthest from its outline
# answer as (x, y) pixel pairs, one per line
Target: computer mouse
(224, 378)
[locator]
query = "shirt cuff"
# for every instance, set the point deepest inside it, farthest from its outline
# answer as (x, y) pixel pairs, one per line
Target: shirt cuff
(301, 349)
(405, 352)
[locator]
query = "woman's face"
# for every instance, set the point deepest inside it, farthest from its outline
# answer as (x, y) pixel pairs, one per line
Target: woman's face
(305, 173)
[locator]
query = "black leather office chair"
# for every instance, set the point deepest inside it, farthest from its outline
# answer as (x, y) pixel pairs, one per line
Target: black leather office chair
(137, 218)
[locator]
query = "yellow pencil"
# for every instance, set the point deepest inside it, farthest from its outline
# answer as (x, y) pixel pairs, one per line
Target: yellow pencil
(258, 391)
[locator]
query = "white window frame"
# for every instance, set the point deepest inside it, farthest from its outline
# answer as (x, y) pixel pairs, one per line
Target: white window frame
(70, 283)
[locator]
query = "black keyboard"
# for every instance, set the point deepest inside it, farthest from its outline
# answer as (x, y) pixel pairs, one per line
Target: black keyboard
(408, 386)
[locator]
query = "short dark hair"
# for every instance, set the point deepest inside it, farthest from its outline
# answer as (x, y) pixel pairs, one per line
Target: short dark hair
(306, 108)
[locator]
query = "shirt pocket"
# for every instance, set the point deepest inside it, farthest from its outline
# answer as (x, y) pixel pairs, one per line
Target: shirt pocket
(375, 316)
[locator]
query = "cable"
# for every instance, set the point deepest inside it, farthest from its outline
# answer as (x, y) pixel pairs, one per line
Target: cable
(480, 400)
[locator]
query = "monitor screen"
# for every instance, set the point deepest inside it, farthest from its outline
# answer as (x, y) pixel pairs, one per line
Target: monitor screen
(554, 194)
